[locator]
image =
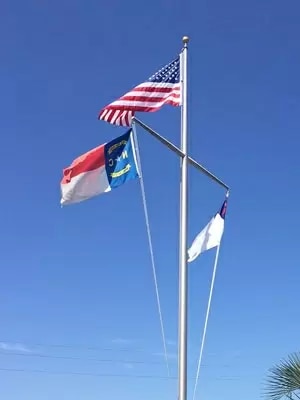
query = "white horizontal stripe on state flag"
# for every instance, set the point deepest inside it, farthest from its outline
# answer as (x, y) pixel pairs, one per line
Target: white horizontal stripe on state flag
(85, 185)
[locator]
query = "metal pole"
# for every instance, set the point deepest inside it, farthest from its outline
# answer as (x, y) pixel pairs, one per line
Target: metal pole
(176, 150)
(183, 273)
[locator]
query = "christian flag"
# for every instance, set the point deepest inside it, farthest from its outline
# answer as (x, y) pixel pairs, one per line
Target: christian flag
(100, 170)
(210, 236)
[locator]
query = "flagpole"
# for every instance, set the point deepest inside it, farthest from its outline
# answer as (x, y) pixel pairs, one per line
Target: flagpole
(183, 273)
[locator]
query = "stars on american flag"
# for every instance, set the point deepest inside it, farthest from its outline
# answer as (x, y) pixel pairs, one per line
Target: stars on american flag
(170, 73)
(161, 88)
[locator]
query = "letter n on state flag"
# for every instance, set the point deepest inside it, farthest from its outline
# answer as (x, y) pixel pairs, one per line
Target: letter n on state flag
(100, 170)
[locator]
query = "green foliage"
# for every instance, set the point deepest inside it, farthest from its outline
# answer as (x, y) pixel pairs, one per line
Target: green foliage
(284, 379)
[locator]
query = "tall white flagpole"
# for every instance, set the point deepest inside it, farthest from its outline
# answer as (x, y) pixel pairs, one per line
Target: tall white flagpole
(183, 272)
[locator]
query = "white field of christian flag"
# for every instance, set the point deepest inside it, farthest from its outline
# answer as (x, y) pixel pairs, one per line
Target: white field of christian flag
(100, 170)
(210, 236)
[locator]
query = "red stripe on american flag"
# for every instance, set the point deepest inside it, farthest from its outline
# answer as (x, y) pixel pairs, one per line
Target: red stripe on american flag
(153, 95)
(128, 107)
(146, 99)
(154, 89)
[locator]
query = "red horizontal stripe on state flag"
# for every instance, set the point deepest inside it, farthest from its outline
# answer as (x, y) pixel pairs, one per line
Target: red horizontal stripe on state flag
(88, 161)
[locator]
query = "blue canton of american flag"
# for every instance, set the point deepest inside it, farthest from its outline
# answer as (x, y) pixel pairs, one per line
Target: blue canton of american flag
(163, 87)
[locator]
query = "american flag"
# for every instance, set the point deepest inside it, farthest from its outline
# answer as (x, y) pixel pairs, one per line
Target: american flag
(161, 88)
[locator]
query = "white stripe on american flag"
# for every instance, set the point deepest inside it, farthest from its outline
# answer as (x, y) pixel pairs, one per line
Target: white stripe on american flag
(138, 101)
(147, 97)
(158, 85)
(117, 117)
(139, 105)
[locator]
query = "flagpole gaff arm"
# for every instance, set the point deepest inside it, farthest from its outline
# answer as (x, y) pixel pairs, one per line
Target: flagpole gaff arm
(176, 150)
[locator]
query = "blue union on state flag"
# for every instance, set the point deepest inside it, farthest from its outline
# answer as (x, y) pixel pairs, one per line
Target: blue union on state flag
(100, 170)
(163, 87)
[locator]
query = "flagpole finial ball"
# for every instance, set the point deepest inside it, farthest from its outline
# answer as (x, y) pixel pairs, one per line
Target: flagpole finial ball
(185, 39)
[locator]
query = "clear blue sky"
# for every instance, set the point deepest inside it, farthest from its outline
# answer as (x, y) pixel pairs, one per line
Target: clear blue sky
(81, 276)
